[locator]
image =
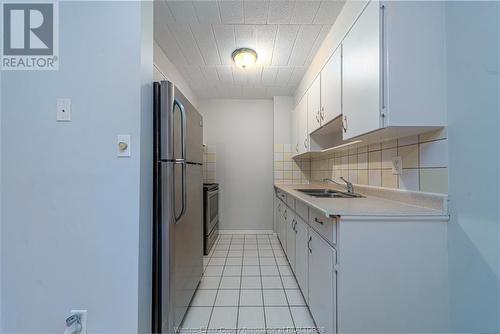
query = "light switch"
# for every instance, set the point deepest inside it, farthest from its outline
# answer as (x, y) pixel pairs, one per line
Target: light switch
(123, 145)
(63, 110)
(397, 166)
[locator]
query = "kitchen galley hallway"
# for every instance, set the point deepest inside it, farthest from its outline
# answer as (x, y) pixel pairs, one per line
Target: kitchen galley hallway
(248, 287)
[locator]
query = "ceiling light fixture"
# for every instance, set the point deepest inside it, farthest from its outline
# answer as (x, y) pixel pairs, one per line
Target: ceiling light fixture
(244, 57)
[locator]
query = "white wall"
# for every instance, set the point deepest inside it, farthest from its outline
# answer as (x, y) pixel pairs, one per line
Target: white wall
(473, 61)
(165, 70)
(74, 225)
(343, 23)
(283, 107)
(242, 131)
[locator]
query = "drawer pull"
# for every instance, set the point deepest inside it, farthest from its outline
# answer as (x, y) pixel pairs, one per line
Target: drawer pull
(309, 244)
(318, 221)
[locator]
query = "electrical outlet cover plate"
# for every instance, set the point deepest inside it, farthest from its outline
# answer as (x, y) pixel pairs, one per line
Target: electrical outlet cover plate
(63, 110)
(397, 166)
(123, 152)
(83, 317)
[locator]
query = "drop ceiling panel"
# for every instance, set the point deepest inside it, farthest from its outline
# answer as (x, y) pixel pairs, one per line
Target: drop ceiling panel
(225, 74)
(231, 12)
(210, 74)
(200, 36)
(224, 35)
(328, 12)
(305, 40)
(285, 40)
(283, 76)
(269, 75)
(186, 42)
(280, 12)
(256, 12)
(304, 12)
(183, 11)
(207, 12)
(206, 43)
(239, 76)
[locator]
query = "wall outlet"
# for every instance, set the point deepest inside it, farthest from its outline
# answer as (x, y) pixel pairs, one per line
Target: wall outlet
(397, 166)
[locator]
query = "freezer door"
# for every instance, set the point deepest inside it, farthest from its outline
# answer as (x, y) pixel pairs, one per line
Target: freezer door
(182, 241)
(193, 126)
(180, 126)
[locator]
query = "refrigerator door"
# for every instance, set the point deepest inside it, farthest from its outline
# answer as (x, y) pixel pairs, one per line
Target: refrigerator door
(183, 267)
(193, 126)
(181, 126)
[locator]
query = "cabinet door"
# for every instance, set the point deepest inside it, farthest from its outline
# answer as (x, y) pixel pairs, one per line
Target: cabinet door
(290, 239)
(331, 88)
(283, 225)
(314, 105)
(302, 129)
(322, 282)
(361, 74)
(279, 220)
(295, 130)
(302, 256)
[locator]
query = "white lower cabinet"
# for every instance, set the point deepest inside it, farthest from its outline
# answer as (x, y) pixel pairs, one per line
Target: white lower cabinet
(290, 239)
(322, 282)
(368, 275)
(302, 256)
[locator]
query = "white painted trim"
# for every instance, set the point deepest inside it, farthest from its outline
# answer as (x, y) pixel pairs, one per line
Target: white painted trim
(246, 232)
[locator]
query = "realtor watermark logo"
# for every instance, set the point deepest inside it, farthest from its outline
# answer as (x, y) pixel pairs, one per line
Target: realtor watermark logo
(30, 32)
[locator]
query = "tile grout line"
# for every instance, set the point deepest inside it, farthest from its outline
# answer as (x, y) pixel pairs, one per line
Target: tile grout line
(283, 285)
(239, 292)
(220, 282)
(262, 289)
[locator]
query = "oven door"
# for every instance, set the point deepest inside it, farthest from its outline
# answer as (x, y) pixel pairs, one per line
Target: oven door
(212, 213)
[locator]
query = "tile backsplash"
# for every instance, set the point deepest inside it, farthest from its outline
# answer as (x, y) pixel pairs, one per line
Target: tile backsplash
(209, 164)
(424, 160)
(288, 170)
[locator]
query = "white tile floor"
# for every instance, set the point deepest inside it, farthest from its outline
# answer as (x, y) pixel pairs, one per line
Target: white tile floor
(248, 287)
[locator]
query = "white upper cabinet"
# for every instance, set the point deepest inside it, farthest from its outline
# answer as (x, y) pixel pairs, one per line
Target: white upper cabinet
(331, 88)
(295, 131)
(361, 74)
(393, 70)
(302, 131)
(314, 105)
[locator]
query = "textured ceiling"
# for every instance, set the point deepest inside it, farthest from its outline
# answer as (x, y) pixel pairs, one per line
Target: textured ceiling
(199, 37)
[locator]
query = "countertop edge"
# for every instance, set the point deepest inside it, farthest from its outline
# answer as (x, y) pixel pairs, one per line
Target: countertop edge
(431, 216)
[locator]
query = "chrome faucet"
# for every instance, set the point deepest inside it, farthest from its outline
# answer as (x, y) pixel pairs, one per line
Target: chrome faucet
(350, 187)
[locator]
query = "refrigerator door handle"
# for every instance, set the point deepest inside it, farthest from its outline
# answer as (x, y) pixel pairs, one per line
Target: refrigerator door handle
(183, 129)
(184, 195)
(182, 160)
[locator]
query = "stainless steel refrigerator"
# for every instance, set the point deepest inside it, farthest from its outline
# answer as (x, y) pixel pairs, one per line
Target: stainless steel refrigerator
(178, 206)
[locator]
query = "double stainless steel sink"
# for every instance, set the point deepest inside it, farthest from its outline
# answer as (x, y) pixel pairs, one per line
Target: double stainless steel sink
(329, 193)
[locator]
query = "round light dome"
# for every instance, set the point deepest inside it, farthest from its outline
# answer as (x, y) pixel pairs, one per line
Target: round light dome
(244, 57)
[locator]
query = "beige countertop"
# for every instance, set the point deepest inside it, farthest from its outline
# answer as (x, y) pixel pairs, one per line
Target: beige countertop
(368, 206)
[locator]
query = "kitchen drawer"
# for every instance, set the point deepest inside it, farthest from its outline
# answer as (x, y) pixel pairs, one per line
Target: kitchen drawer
(281, 195)
(302, 210)
(326, 227)
(290, 201)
